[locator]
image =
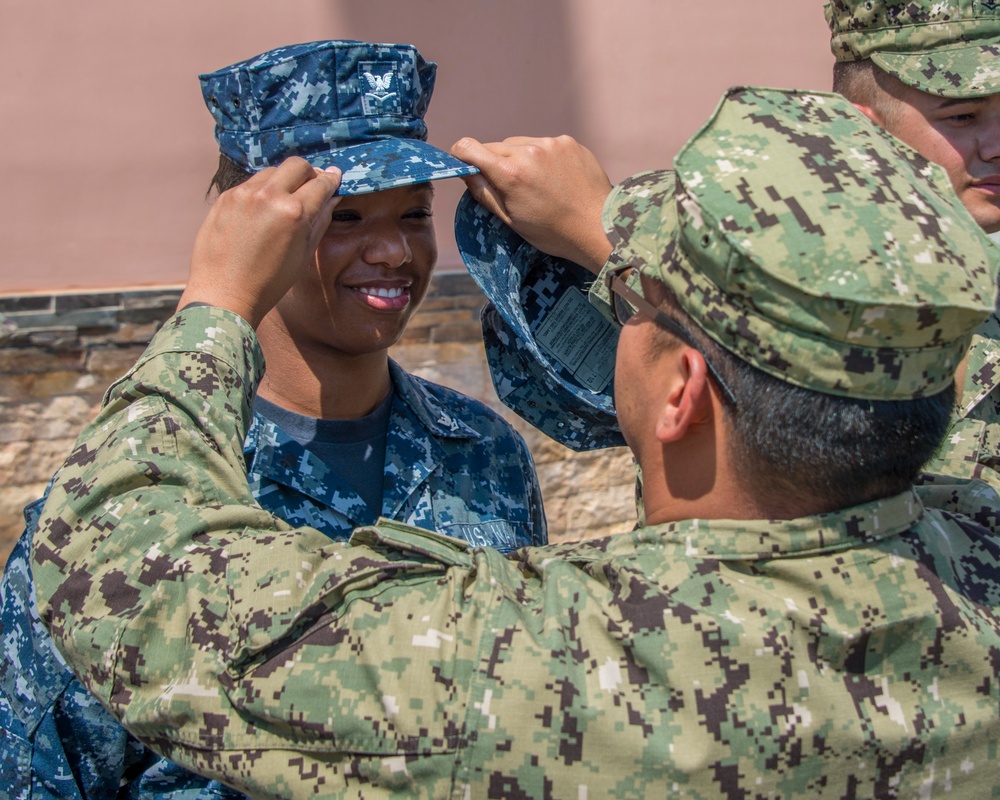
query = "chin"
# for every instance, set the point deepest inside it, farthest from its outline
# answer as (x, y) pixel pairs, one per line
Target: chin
(376, 341)
(992, 225)
(985, 213)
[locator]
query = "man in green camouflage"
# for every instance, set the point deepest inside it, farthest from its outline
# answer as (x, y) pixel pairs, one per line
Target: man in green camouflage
(790, 622)
(929, 73)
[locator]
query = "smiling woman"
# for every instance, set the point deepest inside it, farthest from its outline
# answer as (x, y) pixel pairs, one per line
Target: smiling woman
(369, 275)
(341, 435)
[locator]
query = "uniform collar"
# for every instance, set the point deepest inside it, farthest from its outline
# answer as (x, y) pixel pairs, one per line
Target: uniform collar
(431, 413)
(759, 540)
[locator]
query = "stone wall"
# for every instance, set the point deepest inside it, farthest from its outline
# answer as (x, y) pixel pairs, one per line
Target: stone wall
(68, 348)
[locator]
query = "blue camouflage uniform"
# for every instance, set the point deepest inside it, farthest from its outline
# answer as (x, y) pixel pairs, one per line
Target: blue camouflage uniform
(451, 464)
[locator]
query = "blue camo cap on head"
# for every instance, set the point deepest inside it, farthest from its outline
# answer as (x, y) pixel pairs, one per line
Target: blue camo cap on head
(347, 104)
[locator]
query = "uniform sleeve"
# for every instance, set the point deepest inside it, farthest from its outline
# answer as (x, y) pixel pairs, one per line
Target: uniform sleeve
(971, 448)
(217, 635)
(54, 737)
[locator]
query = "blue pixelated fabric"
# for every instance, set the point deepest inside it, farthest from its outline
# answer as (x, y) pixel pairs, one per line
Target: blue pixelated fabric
(353, 105)
(551, 351)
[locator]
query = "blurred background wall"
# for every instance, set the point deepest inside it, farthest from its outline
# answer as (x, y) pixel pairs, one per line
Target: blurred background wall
(108, 151)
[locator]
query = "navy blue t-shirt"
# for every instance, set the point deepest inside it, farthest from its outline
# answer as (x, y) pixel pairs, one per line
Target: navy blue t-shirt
(354, 449)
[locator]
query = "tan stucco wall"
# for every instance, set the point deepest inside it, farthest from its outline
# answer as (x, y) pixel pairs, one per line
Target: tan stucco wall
(108, 148)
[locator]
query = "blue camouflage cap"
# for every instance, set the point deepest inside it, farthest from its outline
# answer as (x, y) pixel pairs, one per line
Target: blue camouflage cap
(551, 353)
(347, 104)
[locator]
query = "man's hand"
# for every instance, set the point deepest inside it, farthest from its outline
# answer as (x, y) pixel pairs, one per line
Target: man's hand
(551, 191)
(258, 238)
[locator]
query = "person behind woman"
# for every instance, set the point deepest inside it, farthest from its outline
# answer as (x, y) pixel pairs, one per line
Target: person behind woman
(341, 434)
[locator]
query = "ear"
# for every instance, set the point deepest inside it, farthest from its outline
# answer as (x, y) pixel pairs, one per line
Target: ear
(871, 113)
(689, 401)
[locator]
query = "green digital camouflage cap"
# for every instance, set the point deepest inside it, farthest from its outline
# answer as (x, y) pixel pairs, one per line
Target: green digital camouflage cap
(948, 48)
(813, 245)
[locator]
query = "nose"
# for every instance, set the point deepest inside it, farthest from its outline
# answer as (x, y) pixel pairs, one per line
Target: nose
(989, 138)
(387, 246)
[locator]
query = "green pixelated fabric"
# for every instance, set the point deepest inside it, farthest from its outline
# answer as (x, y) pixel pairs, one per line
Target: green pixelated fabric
(813, 245)
(848, 654)
(948, 48)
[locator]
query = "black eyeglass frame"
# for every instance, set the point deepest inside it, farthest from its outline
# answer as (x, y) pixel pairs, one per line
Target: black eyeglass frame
(616, 285)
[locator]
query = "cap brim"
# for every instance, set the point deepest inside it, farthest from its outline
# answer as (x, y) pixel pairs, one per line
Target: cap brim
(536, 393)
(388, 163)
(965, 71)
(525, 286)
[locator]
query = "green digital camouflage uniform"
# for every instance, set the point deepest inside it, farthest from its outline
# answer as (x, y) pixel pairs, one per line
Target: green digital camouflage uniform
(851, 654)
(948, 48)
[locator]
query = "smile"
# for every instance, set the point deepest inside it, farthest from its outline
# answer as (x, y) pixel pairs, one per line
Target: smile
(390, 293)
(383, 298)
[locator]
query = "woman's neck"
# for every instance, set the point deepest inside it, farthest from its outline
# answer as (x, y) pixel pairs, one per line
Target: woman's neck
(320, 382)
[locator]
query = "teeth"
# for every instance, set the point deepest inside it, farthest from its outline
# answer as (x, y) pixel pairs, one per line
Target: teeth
(396, 292)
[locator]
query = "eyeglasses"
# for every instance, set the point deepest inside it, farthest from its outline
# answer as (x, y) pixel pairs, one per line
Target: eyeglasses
(626, 303)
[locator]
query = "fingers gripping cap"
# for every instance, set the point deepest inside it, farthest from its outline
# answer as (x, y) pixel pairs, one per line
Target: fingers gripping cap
(813, 245)
(352, 105)
(948, 48)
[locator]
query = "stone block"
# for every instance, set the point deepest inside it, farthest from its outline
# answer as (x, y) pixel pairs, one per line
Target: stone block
(454, 283)
(67, 304)
(435, 319)
(62, 417)
(544, 448)
(464, 332)
(56, 383)
(471, 302)
(16, 388)
(414, 335)
(24, 463)
(578, 474)
(125, 333)
(14, 427)
(30, 360)
(17, 305)
(109, 363)
(56, 339)
(146, 308)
